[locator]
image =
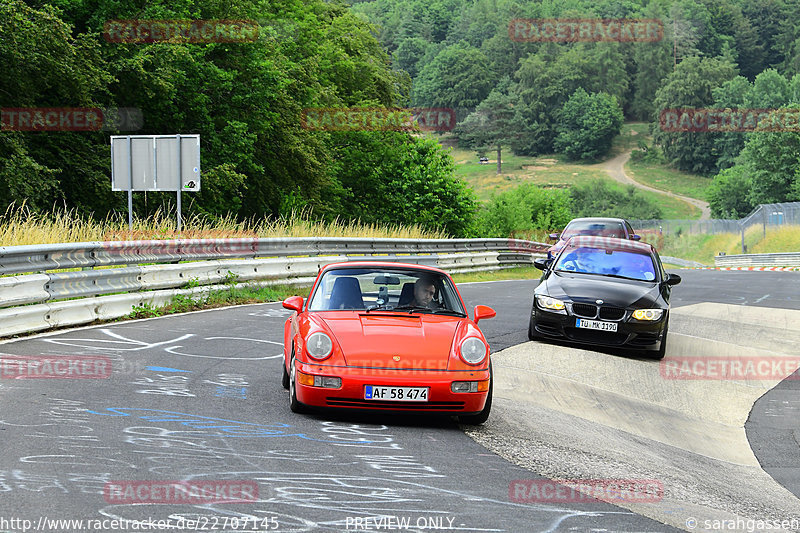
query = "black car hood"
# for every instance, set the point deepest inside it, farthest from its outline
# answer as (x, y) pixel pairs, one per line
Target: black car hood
(613, 291)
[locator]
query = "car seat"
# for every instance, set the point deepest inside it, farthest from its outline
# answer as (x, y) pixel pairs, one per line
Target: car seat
(406, 294)
(346, 294)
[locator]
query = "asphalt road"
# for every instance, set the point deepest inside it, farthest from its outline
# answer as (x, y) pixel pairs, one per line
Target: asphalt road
(198, 398)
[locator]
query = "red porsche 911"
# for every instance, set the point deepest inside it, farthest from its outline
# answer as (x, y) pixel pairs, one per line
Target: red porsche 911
(384, 336)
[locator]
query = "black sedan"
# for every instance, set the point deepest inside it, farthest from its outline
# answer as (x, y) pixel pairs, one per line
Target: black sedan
(604, 291)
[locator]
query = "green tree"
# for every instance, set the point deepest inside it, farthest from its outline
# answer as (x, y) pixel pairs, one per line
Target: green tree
(390, 177)
(524, 208)
(691, 85)
(587, 125)
(598, 199)
(728, 193)
(772, 159)
(732, 94)
(492, 125)
(459, 77)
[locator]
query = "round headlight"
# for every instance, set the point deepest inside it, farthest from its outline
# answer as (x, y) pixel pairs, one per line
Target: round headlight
(473, 350)
(648, 314)
(319, 345)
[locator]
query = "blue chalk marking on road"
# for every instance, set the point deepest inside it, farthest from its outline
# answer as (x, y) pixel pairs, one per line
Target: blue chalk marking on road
(219, 427)
(224, 391)
(165, 369)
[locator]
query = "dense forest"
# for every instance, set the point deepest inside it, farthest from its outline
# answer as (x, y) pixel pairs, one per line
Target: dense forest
(246, 100)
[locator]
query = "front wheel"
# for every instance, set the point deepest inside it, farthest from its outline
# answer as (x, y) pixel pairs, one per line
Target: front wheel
(483, 416)
(294, 405)
(285, 376)
(662, 350)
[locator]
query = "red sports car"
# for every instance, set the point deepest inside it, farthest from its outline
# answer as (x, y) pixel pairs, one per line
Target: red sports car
(384, 336)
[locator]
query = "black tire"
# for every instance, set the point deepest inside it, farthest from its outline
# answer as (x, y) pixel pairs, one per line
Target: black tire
(532, 335)
(294, 405)
(483, 416)
(662, 350)
(285, 376)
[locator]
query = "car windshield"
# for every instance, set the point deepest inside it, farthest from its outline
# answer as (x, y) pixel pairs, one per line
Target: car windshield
(600, 229)
(386, 289)
(620, 263)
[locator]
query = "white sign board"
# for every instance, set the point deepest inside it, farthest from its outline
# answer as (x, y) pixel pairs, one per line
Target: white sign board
(155, 162)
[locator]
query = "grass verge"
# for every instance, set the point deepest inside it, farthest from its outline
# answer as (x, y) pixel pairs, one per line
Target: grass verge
(703, 248)
(19, 226)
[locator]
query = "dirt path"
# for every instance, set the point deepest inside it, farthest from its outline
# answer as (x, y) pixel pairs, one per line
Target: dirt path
(615, 167)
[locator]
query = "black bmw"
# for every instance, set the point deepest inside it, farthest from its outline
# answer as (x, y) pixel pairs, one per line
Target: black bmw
(604, 291)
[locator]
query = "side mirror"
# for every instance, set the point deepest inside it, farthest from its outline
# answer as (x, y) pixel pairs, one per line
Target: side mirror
(553, 236)
(295, 303)
(636, 237)
(483, 311)
(542, 264)
(673, 279)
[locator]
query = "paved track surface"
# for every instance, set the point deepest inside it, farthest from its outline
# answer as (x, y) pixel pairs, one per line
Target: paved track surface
(198, 397)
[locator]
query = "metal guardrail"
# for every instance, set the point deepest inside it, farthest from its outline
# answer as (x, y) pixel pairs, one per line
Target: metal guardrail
(758, 260)
(41, 299)
(44, 257)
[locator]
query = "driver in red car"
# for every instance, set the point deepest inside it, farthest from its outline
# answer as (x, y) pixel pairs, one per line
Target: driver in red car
(424, 291)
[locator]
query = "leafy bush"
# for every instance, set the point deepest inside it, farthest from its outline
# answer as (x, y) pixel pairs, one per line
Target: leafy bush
(524, 208)
(598, 199)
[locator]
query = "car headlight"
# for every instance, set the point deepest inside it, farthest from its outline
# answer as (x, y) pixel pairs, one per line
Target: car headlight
(648, 314)
(319, 345)
(546, 302)
(473, 350)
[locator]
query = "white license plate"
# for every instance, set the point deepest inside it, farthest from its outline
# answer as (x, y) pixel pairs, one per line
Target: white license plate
(396, 394)
(595, 324)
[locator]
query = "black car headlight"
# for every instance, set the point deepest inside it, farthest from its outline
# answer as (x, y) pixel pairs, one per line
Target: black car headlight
(648, 315)
(551, 304)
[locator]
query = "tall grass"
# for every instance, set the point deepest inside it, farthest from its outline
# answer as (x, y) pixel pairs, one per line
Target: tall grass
(20, 226)
(703, 248)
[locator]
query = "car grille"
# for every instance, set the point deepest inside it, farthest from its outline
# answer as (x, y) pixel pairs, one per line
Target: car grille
(415, 406)
(585, 310)
(599, 337)
(612, 313)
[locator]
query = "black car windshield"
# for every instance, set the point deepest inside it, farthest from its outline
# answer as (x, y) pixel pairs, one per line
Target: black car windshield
(599, 229)
(385, 289)
(620, 263)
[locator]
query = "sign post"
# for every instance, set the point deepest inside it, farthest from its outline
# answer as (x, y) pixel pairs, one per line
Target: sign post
(155, 163)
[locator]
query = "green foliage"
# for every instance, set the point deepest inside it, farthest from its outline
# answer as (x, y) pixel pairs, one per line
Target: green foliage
(691, 85)
(771, 160)
(493, 124)
(459, 76)
(598, 199)
(727, 194)
(587, 125)
(525, 208)
(398, 179)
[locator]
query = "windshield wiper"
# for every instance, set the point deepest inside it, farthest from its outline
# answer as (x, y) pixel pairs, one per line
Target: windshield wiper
(413, 308)
(385, 307)
(448, 312)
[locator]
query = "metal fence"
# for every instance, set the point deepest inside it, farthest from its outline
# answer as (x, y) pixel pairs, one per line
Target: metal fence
(765, 215)
(104, 280)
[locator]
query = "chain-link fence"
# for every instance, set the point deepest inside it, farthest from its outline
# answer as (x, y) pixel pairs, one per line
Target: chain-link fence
(765, 215)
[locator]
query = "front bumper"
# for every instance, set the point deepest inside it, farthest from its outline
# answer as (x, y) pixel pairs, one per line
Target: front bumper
(350, 395)
(630, 333)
